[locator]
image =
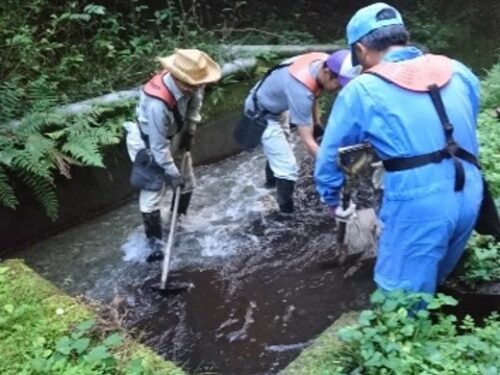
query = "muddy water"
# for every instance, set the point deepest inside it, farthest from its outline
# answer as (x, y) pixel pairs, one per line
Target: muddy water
(261, 292)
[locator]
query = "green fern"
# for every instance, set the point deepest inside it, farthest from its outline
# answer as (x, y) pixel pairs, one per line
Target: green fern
(85, 150)
(10, 99)
(42, 95)
(7, 195)
(44, 192)
(45, 143)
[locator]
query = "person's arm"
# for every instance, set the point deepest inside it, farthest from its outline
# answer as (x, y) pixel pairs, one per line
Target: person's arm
(305, 133)
(345, 127)
(301, 107)
(158, 123)
(316, 112)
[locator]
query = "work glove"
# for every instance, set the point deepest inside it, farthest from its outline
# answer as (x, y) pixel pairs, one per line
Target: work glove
(172, 177)
(318, 131)
(174, 181)
(378, 175)
(344, 215)
(186, 141)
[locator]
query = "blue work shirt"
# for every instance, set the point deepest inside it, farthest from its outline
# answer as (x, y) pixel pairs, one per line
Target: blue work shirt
(282, 92)
(399, 123)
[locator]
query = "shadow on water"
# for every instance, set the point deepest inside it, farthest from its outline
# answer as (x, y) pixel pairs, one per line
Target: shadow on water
(260, 293)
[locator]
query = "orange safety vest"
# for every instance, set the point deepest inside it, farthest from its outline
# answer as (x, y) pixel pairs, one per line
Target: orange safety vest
(299, 69)
(416, 74)
(156, 88)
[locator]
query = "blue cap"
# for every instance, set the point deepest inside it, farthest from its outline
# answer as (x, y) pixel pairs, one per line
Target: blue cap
(365, 21)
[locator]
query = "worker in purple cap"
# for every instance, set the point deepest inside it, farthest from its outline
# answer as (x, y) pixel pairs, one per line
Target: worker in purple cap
(418, 111)
(288, 94)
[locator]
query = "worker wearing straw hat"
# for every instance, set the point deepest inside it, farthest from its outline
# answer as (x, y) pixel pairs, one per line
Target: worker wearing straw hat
(167, 115)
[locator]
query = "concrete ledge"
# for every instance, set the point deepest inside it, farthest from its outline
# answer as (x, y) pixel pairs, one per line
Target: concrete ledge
(93, 191)
(24, 287)
(322, 348)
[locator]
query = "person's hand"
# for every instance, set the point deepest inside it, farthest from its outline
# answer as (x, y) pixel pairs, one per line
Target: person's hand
(378, 175)
(186, 141)
(344, 215)
(174, 180)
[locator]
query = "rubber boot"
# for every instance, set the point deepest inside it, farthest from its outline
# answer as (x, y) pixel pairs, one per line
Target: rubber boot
(285, 195)
(270, 179)
(152, 227)
(184, 201)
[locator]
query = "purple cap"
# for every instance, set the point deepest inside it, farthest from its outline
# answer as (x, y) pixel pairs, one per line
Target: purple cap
(340, 63)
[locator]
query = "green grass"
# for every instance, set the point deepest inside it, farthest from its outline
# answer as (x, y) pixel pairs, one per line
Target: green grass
(34, 316)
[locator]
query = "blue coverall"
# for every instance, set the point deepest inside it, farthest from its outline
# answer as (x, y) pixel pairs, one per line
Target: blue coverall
(425, 223)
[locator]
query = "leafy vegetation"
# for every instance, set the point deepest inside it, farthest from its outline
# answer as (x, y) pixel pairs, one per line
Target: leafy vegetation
(396, 338)
(482, 260)
(45, 332)
(489, 128)
(46, 143)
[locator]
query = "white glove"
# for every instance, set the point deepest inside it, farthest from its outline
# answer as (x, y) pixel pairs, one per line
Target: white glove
(344, 216)
(378, 175)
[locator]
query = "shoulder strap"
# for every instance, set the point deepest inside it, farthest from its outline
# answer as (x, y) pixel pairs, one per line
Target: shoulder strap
(450, 150)
(156, 88)
(300, 70)
(268, 73)
(451, 146)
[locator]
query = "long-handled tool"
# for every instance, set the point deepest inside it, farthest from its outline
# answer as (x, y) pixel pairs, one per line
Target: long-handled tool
(171, 235)
(351, 159)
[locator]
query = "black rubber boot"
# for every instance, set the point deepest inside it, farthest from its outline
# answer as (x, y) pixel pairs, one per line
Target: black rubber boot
(270, 179)
(285, 195)
(152, 227)
(184, 201)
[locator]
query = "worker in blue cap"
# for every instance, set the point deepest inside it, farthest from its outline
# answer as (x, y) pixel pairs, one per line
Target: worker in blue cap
(418, 111)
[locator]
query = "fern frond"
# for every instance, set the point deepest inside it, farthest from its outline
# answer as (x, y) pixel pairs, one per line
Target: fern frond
(41, 94)
(63, 163)
(10, 98)
(7, 195)
(36, 157)
(38, 122)
(84, 149)
(108, 136)
(44, 192)
(8, 153)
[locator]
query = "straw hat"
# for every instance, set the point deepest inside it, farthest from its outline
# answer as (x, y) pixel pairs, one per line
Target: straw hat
(191, 66)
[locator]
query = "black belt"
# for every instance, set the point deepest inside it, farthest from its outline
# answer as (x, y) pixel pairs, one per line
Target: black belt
(450, 151)
(401, 164)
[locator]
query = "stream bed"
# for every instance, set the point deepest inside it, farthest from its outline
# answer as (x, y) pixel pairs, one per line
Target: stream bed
(261, 290)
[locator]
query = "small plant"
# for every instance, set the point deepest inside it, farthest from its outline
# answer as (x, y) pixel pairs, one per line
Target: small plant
(78, 350)
(397, 338)
(482, 260)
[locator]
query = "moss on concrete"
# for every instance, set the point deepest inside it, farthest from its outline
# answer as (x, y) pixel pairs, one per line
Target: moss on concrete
(315, 359)
(223, 99)
(34, 313)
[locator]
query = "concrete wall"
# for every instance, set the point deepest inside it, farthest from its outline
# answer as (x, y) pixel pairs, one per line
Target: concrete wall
(92, 191)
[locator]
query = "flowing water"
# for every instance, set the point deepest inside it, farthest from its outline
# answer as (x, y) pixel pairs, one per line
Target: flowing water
(261, 291)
